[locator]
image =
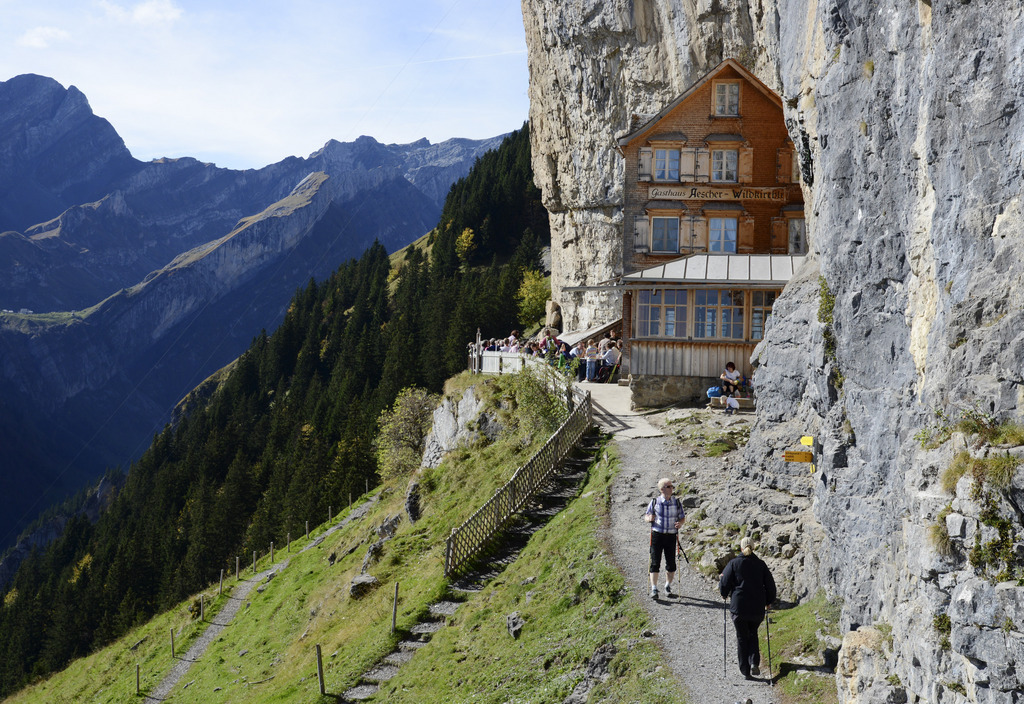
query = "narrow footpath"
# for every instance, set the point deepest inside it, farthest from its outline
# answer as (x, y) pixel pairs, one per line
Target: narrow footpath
(239, 594)
(692, 625)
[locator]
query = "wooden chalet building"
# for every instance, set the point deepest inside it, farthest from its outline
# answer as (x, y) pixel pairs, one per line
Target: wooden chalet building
(713, 230)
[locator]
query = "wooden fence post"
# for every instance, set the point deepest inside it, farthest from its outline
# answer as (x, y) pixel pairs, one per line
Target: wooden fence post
(237, 560)
(394, 611)
(221, 582)
(172, 642)
(254, 562)
(289, 542)
(137, 689)
(307, 530)
(202, 607)
(330, 510)
(271, 552)
(320, 670)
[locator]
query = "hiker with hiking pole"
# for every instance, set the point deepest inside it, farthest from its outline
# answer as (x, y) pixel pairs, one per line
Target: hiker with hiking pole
(665, 514)
(751, 586)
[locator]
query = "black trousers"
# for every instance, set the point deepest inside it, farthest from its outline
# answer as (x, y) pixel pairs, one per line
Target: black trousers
(746, 643)
(663, 543)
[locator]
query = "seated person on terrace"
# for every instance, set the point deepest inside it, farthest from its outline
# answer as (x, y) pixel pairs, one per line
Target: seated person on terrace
(732, 380)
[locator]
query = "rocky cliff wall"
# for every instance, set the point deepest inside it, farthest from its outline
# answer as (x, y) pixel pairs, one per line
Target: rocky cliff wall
(908, 123)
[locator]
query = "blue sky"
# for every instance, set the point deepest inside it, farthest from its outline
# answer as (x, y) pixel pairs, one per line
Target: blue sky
(248, 83)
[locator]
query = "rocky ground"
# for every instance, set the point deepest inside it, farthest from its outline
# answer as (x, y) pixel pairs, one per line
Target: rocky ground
(697, 450)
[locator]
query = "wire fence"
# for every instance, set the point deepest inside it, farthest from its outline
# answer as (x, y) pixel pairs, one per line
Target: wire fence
(467, 541)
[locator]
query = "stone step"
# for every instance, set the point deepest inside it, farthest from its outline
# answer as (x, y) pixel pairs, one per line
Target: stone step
(400, 657)
(363, 691)
(445, 608)
(411, 645)
(381, 673)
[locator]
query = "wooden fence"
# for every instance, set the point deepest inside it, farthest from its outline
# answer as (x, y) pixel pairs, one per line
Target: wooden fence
(471, 537)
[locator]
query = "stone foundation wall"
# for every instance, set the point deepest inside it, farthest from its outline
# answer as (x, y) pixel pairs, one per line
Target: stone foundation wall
(651, 391)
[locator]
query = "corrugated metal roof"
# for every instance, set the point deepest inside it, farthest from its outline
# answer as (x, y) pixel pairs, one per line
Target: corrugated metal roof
(720, 269)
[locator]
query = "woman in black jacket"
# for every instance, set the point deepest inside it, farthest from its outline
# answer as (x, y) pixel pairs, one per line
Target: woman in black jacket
(749, 582)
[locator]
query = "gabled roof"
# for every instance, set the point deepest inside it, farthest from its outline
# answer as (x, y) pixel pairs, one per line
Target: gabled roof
(710, 75)
(720, 269)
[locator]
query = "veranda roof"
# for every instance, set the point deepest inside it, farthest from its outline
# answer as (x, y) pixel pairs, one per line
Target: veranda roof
(731, 269)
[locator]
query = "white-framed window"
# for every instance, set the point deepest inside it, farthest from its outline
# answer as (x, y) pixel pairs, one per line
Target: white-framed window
(724, 165)
(797, 236)
(722, 235)
(666, 164)
(760, 311)
(661, 313)
(727, 98)
(664, 234)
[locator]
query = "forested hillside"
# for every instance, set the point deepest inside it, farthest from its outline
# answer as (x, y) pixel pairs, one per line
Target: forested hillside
(289, 430)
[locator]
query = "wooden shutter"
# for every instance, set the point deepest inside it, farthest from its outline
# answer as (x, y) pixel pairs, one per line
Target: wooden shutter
(745, 164)
(688, 165)
(641, 236)
(646, 154)
(700, 235)
(745, 235)
(797, 235)
(780, 236)
(784, 166)
(702, 172)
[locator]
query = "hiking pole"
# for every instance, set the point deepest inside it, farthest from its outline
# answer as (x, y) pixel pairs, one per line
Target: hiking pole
(725, 627)
(768, 633)
(679, 549)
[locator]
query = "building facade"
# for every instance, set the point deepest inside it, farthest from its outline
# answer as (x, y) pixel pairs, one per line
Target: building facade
(713, 229)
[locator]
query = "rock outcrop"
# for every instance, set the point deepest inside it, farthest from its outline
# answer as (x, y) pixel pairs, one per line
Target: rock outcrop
(909, 133)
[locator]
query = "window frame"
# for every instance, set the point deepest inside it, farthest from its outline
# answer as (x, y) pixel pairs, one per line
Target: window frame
(712, 240)
(654, 232)
(764, 308)
(726, 85)
(664, 173)
(714, 176)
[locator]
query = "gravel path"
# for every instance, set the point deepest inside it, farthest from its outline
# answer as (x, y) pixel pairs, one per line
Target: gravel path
(238, 596)
(689, 625)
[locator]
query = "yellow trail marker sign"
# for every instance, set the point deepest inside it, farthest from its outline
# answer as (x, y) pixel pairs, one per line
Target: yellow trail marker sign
(797, 456)
(807, 440)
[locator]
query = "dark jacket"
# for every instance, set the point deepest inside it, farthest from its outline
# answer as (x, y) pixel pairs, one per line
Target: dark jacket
(751, 584)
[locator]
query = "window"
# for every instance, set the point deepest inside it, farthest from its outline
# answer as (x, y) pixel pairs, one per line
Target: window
(666, 164)
(723, 165)
(664, 234)
(727, 99)
(661, 313)
(797, 236)
(722, 235)
(760, 311)
(718, 314)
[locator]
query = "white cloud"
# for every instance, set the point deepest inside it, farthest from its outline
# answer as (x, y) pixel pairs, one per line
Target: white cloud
(150, 12)
(42, 37)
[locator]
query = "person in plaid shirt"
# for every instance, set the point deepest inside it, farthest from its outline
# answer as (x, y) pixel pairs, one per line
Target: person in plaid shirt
(665, 514)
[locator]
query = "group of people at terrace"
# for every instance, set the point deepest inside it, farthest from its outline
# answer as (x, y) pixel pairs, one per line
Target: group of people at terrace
(593, 360)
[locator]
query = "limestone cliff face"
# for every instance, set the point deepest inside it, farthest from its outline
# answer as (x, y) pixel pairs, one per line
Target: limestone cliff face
(908, 121)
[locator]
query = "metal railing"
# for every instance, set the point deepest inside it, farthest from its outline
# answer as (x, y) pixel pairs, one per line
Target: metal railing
(467, 541)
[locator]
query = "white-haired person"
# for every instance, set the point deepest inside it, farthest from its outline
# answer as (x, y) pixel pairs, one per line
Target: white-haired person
(665, 514)
(749, 583)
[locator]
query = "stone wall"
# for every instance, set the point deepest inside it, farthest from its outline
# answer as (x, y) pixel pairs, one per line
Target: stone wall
(651, 391)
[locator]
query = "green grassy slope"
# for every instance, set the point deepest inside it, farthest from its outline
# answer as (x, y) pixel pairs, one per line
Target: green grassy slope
(563, 583)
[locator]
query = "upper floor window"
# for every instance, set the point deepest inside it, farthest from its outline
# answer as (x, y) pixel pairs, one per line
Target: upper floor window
(724, 165)
(727, 99)
(722, 235)
(666, 164)
(664, 234)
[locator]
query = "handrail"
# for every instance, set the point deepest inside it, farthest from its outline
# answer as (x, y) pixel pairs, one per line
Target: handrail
(466, 541)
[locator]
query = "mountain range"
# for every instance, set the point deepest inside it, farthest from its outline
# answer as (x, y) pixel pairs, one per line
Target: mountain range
(125, 283)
